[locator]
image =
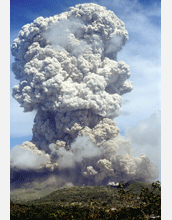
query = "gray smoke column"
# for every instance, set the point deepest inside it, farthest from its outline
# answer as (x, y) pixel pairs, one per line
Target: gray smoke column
(68, 71)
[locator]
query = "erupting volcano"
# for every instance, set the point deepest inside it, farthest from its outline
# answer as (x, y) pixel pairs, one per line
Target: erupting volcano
(68, 72)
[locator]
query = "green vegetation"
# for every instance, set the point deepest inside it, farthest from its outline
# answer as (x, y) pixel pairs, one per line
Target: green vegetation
(133, 200)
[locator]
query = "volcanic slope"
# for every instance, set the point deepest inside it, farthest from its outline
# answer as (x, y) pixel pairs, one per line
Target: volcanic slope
(133, 200)
(85, 194)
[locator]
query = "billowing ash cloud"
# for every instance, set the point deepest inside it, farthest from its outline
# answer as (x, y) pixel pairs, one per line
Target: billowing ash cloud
(68, 71)
(68, 62)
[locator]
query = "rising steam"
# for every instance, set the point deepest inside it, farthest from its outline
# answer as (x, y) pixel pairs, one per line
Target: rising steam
(68, 72)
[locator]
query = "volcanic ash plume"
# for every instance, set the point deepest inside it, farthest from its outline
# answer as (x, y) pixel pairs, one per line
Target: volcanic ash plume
(68, 72)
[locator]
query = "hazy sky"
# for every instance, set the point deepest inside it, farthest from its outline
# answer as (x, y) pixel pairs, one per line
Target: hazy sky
(142, 53)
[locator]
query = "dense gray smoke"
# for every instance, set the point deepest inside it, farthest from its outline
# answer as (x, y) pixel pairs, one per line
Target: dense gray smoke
(68, 71)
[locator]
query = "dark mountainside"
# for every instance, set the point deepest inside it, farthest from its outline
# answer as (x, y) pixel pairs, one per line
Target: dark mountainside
(132, 200)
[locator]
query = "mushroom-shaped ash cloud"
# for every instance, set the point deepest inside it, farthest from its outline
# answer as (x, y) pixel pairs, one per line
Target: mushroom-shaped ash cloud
(68, 62)
(68, 71)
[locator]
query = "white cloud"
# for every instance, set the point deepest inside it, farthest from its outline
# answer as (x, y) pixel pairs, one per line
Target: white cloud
(146, 138)
(81, 148)
(147, 132)
(28, 160)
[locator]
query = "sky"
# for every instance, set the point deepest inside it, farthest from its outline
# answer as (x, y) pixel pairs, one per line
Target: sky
(142, 53)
